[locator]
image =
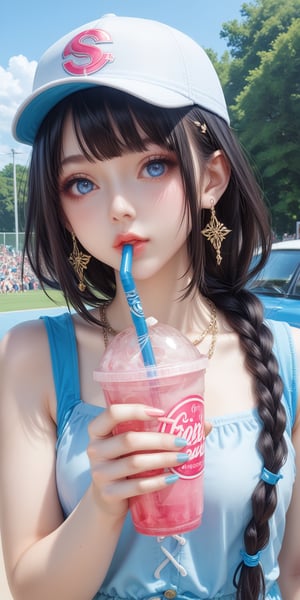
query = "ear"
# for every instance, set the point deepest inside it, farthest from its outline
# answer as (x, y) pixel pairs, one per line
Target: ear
(215, 179)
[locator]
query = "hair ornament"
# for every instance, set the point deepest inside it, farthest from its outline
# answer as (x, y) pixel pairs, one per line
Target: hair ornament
(202, 126)
(250, 560)
(269, 477)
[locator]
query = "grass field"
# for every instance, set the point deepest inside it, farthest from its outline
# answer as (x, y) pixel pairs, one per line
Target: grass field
(33, 299)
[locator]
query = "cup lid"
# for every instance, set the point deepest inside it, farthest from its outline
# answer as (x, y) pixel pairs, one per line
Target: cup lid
(174, 355)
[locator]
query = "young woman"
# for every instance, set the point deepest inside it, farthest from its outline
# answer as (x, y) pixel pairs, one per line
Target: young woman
(132, 143)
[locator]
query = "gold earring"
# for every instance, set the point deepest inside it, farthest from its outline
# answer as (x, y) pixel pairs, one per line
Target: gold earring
(79, 262)
(216, 233)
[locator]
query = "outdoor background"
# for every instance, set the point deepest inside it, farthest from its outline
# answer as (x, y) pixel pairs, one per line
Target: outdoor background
(255, 47)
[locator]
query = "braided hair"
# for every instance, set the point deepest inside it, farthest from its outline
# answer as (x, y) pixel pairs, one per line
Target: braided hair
(243, 211)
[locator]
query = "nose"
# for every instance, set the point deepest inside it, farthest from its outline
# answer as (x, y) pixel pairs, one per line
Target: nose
(121, 209)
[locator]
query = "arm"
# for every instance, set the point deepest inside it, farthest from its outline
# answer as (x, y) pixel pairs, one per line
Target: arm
(289, 559)
(47, 557)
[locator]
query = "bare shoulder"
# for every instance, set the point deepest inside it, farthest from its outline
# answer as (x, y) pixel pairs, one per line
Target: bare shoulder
(19, 333)
(25, 365)
(24, 347)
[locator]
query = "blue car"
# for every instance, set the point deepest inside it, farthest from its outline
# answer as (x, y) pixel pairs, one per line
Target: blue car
(278, 283)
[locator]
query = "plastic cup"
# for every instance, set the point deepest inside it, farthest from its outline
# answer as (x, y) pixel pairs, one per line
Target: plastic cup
(177, 386)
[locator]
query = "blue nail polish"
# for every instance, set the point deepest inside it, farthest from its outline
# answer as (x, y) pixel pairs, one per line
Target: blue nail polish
(171, 479)
(182, 457)
(180, 442)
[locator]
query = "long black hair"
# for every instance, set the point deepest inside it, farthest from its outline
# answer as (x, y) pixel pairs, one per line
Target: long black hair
(106, 123)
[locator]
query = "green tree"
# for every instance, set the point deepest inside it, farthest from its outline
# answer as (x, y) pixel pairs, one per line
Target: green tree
(222, 66)
(6, 200)
(7, 208)
(262, 87)
(262, 22)
(270, 103)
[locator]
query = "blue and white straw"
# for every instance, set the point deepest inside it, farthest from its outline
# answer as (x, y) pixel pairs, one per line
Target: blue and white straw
(135, 306)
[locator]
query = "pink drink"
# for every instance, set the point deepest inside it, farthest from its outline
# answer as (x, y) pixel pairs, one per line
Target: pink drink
(177, 386)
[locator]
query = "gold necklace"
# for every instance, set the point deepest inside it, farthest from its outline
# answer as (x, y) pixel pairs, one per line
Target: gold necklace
(212, 328)
(107, 328)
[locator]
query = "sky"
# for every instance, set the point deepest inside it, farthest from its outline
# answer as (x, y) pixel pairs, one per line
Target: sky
(29, 27)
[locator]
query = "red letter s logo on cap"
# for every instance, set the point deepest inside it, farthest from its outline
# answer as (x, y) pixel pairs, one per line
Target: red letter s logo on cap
(94, 57)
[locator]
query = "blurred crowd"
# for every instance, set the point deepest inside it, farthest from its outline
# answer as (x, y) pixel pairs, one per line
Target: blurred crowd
(10, 272)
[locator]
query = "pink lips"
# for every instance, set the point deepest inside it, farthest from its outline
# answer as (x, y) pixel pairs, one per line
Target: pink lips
(137, 242)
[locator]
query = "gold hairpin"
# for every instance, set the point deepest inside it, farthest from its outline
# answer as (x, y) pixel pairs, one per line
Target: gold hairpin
(202, 126)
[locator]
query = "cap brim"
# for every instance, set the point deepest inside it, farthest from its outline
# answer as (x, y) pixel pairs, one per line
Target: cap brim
(33, 111)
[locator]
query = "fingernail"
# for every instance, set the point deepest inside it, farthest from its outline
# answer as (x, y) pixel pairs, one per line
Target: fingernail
(154, 412)
(182, 457)
(171, 479)
(180, 442)
(166, 420)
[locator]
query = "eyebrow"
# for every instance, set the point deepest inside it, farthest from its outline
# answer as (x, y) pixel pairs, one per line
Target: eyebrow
(73, 158)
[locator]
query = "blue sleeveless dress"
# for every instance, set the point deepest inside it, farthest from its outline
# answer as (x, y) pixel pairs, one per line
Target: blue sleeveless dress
(199, 564)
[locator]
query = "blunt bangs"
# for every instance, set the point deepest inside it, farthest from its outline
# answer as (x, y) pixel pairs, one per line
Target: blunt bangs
(109, 123)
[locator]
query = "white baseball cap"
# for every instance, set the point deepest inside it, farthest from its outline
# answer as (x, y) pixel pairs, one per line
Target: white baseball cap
(147, 59)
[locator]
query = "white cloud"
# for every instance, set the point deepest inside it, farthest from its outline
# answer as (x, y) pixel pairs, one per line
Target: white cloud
(15, 85)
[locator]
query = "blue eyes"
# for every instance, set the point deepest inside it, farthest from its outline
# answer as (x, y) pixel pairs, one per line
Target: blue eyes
(78, 186)
(84, 186)
(156, 168)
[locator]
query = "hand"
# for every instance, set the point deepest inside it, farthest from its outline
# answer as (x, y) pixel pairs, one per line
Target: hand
(114, 459)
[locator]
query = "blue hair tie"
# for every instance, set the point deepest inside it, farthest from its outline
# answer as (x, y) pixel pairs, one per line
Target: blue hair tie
(250, 560)
(269, 477)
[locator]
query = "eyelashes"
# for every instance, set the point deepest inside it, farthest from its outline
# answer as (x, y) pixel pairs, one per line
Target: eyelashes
(155, 166)
(78, 186)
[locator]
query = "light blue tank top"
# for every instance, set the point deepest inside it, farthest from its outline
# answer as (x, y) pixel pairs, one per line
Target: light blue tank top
(199, 564)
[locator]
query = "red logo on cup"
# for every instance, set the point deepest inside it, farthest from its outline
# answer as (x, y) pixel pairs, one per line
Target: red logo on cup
(187, 421)
(88, 55)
